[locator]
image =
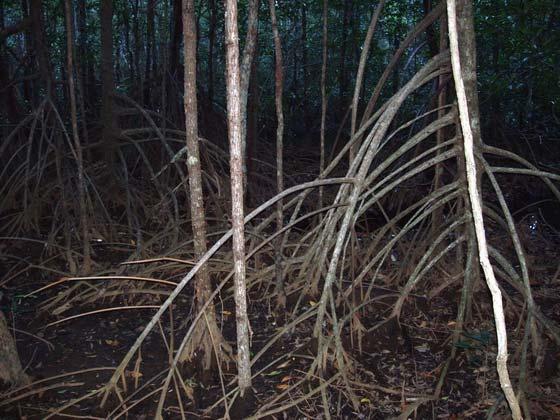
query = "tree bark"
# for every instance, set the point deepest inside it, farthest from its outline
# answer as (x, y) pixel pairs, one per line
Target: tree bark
(150, 49)
(203, 339)
(460, 20)
(236, 168)
(247, 59)
(342, 82)
(211, 42)
(304, 62)
(279, 81)
(40, 45)
(86, 264)
(323, 95)
(11, 371)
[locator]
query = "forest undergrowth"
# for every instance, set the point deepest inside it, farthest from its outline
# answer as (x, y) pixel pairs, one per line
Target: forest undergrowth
(366, 301)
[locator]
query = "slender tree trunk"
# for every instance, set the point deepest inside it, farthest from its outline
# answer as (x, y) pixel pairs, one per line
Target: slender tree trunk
(82, 47)
(252, 122)
(279, 81)
(86, 265)
(211, 42)
(304, 62)
(107, 83)
(430, 31)
(236, 168)
(437, 216)
(128, 43)
(28, 90)
(323, 95)
(247, 59)
(150, 49)
(9, 105)
(460, 21)
(204, 337)
(40, 45)
(175, 73)
(137, 50)
(360, 75)
(342, 64)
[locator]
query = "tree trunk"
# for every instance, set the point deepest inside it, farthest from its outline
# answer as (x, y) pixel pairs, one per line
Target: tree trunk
(460, 21)
(342, 64)
(11, 371)
(323, 95)
(40, 45)
(437, 215)
(279, 81)
(82, 46)
(203, 337)
(236, 169)
(211, 42)
(252, 122)
(304, 63)
(175, 71)
(86, 263)
(247, 59)
(150, 47)
(107, 84)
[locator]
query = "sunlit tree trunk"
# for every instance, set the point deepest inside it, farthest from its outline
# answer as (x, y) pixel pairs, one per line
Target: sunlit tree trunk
(236, 169)
(279, 81)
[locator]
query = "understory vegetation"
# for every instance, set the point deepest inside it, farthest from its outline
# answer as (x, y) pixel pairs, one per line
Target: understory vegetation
(354, 213)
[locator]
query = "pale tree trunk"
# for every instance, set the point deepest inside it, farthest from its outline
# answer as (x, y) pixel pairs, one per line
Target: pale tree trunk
(323, 95)
(236, 169)
(279, 81)
(464, 74)
(203, 337)
(246, 61)
(86, 264)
